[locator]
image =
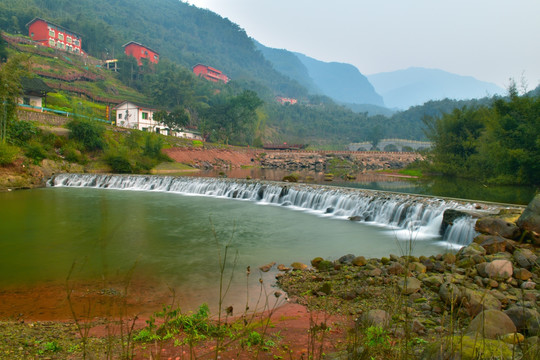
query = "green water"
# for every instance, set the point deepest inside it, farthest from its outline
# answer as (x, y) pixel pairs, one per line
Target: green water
(169, 238)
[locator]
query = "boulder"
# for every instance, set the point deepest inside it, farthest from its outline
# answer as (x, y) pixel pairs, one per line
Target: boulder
(315, 262)
(495, 244)
(491, 324)
(377, 317)
(359, 261)
(467, 348)
(522, 274)
(496, 226)
(433, 281)
(526, 320)
(346, 259)
(525, 258)
(476, 301)
(450, 293)
(499, 270)
(267, 267)
(298, 266)
(471, 250)
(409, 285)
(395, 268)
(530, 218)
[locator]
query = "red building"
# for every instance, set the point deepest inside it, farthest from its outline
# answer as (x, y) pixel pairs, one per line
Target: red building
(54, 36)
(283, 100)
(139, 52)
(209, 73)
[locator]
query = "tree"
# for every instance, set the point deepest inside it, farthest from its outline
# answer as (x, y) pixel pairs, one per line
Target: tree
(3, 49)
(174, 120)
(233, 120)
(10, 89)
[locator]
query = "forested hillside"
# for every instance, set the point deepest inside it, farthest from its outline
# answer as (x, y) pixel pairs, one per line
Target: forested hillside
(185, 35)
(180, 32)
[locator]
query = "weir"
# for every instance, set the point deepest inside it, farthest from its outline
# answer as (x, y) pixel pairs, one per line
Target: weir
(410, 216)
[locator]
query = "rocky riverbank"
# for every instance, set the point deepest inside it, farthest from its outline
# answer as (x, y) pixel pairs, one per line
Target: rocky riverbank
(480, 303)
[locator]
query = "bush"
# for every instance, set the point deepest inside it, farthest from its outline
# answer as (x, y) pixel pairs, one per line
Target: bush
(8, 153)
(152, 145)
(197, 143)
(119, 163)
(20, 132)
(72, 154)
(89, 133)
(36, 152)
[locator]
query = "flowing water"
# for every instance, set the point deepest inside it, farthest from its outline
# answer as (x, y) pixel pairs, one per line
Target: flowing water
(174, 229)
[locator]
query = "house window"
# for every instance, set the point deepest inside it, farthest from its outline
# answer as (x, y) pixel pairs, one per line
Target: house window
(69, 40)
(51, 32)
(51, 42)
(144, 116)
(119, 115)
(76, 42)
(155, 57)
(31, 34)
(60, 36)
(157, 130)
(26, 101)
(144, 129)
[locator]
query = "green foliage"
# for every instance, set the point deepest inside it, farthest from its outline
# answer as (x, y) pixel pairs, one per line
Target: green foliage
(20, 132)
(35, 151)
(72, 153)
(497, 144)
(253, 339)
(119, 163)
(8, 153)
(89, 133)
(376, 336)
(197, 143)
(3, 49)
(233, 119)
(152, 145)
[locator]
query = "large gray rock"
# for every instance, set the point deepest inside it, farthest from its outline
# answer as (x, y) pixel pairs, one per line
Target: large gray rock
(409, 285)
(491, 324)
(471, 250)
(450, 293)
(499, 269)
(476, 301)
(377, 317)
(526, 320)
(496, 226)
(530, 218)
(525, 258)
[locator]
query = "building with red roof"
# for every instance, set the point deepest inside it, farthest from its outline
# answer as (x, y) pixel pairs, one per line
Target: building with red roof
(210, 73)
(139, 52)
(54, 36)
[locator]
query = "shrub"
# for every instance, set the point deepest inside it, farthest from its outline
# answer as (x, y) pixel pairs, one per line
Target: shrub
(152, 145)
(36, 152)
(197, 143)
(89, 133)
(20, 132)
(72, 154)
(119, 163)
(8, 153)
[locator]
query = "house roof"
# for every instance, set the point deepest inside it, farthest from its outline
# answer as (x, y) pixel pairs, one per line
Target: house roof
(34, 86)
(136, 43)
(51, 23)
(140, 106)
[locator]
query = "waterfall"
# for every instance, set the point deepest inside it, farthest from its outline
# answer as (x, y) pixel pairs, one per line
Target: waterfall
(408, 216)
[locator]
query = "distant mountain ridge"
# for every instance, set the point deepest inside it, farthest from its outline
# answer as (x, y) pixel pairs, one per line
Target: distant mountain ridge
(340, 81)
(402, 89)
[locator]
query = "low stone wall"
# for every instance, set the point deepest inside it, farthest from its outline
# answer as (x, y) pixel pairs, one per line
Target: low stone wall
(42, 118)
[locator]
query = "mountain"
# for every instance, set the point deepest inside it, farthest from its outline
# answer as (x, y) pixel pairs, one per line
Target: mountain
(414, 86)
(342, 82)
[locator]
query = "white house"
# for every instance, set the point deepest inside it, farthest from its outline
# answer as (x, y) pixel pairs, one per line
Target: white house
(132, 116)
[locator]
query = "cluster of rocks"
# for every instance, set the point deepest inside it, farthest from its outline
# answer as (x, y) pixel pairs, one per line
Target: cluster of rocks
(482, 302)
(293, 161)
(328, 161)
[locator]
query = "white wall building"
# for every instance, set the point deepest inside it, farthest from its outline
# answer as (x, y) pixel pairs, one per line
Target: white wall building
(132, 116)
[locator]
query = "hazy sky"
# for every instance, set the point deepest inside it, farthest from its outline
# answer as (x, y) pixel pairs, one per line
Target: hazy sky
(492, 40)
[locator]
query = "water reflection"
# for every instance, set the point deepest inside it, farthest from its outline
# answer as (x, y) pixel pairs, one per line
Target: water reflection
(436, 186)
